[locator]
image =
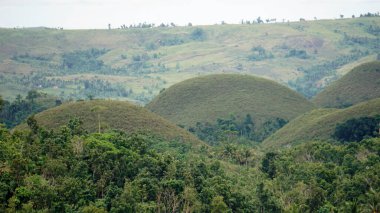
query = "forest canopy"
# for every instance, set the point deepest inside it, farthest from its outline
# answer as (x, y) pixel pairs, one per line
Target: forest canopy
(71, 170)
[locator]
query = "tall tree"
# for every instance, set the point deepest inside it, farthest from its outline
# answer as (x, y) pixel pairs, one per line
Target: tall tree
(98, 109)
(218, 205)
(1, 103)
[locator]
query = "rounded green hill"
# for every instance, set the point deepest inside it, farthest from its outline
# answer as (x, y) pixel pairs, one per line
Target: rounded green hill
(117, 115)
(319, 124)
(360, 84)
(207, 98)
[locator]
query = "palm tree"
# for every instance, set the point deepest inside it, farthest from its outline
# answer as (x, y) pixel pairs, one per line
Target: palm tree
(373, 204)
(97, 109)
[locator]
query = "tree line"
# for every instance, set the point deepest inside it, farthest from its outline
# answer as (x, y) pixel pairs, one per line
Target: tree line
(244, 132)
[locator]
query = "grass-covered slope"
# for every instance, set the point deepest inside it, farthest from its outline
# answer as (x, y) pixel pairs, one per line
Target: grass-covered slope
(307, 55)
(361, 84)
(119, 115)
(319, 124)
(207, 98)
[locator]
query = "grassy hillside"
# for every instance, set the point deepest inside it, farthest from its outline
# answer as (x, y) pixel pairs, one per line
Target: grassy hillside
(119, 115)
(361, 84)
(319, 124)
(207, 98)
(136, 63)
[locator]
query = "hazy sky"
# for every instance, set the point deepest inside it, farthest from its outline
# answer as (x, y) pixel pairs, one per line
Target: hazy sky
(98, 13)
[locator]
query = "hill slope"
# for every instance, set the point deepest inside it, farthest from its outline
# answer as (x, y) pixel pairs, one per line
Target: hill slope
(308, 55)
(319, 124)
(361, 84)
(119, 115)
(207, 98)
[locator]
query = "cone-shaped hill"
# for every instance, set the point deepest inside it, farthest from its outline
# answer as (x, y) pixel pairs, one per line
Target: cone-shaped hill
(118, 115)
(360, 84)
(205, 99)
(319, 124)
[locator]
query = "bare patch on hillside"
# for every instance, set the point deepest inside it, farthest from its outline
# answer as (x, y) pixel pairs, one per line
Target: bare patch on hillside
(10, 67)
(303, 42)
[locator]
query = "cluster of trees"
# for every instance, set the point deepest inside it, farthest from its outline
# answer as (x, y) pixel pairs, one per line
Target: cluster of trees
(76, 89)
(86, 60)
(371, 43)
(258, 20)
(171, 41)
(97, 87)
(198, 34)
(150, 25)
(302, 54)
(258, 53)
(309, 84)
(27, 58)
(69, 170)
(72, 171)
(101, 88)
(370, 14)
(140, 64)
(139, 25)
(321, 177)
(374, 30)
(228, 130)
(357, 129)
(13, 113)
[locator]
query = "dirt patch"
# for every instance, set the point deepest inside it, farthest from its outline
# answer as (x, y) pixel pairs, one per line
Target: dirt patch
(10, 67)
(302, 42)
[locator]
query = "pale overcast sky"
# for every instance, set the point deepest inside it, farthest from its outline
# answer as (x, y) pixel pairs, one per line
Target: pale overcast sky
(98, 13)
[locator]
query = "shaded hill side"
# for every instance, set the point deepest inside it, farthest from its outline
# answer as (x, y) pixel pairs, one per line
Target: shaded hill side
(118, 115)
(361, 84)
(319, 124)
(205, 99)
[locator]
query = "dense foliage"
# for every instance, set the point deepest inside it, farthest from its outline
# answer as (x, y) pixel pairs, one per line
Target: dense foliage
(302, 54)
(69, 170)
(83, 59)
(357, 129)
(321, 177)
(72, 171)
(198, 34)
(13, 113)
(311, 82)
(231, 129)
(259, 54)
